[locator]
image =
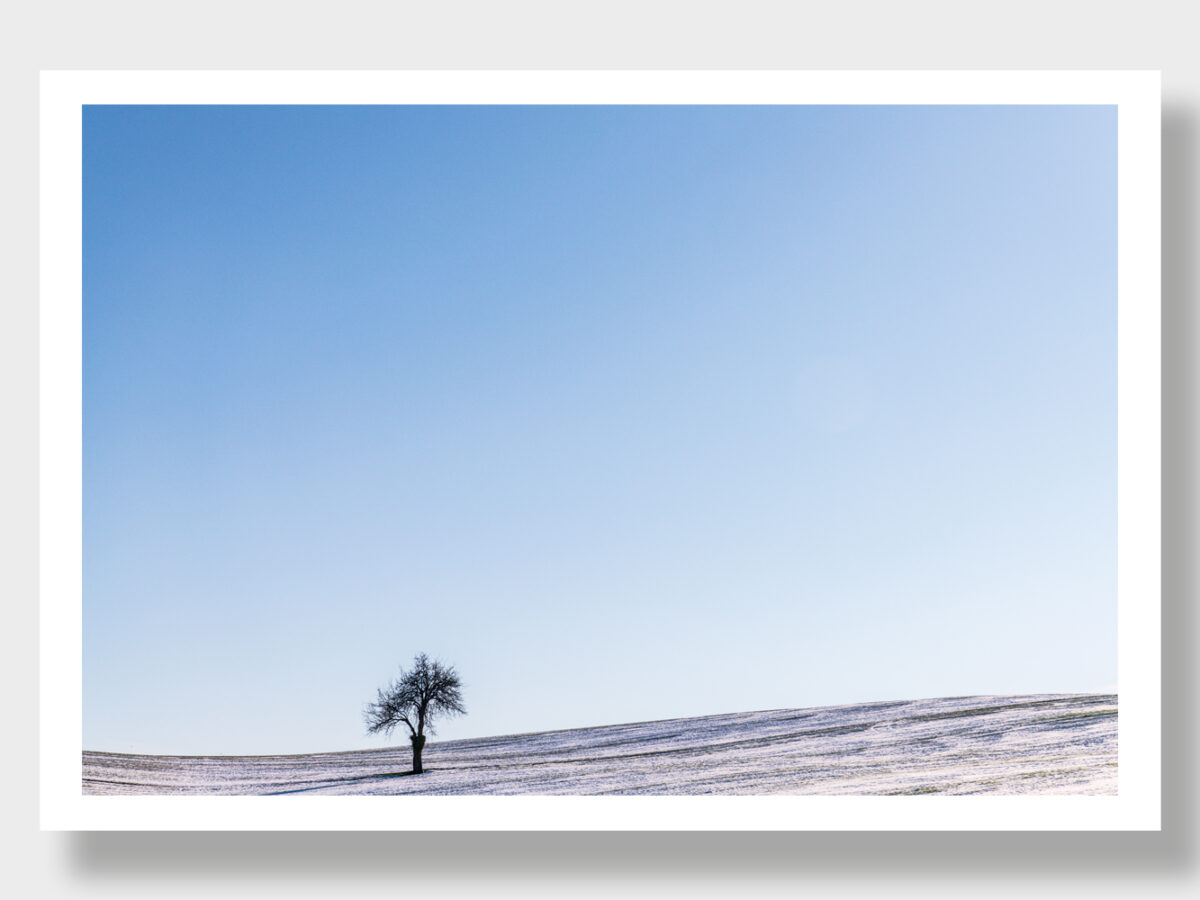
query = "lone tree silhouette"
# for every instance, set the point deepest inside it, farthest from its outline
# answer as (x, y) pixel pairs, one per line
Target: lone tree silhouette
(425, 692)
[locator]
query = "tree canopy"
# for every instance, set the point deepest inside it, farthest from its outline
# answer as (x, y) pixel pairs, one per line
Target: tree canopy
(421, 695)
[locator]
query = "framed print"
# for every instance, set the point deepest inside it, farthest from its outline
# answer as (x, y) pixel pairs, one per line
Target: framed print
(600, 450)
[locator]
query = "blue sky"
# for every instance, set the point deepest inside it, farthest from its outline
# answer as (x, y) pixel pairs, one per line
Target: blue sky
(627, 412)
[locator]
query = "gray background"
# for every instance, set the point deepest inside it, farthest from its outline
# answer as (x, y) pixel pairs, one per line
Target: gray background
(879, 34)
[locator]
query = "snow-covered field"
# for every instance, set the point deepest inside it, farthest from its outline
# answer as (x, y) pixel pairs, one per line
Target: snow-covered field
(1046, 744)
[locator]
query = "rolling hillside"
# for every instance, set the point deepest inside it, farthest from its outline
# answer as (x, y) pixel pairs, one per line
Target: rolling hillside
(1054, 744)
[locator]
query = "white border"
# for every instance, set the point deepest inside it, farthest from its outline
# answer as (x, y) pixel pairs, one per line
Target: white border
(1137, 805)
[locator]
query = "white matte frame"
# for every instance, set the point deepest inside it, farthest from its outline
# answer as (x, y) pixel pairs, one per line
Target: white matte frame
(1137, 805)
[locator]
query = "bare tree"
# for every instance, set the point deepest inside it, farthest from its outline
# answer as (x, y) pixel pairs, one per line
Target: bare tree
(424, 693)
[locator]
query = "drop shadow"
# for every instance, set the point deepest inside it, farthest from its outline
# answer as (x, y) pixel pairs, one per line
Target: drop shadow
(480, 856)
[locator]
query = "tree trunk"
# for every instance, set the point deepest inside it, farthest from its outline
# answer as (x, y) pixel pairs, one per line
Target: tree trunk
(418, 742)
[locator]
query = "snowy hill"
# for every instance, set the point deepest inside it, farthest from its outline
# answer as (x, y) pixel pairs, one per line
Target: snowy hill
(1055, 743)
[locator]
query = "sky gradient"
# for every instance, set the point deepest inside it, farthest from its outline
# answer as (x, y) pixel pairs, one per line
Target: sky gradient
(627, 412)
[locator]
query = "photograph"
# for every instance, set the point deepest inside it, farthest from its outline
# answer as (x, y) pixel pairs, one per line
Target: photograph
(599, 450)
